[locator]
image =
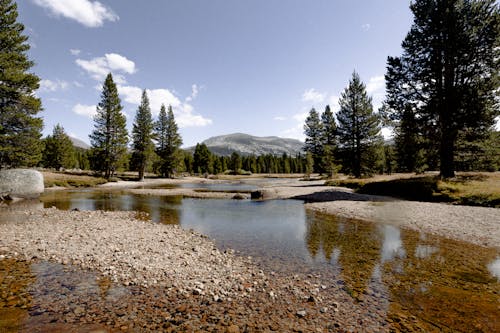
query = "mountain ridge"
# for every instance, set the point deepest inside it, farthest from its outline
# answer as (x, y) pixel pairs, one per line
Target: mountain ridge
(246, 144)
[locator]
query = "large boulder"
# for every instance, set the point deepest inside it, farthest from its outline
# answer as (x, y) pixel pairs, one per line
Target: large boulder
(20, 183)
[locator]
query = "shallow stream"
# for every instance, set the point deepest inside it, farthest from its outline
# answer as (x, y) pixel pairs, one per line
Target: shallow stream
(447, 284)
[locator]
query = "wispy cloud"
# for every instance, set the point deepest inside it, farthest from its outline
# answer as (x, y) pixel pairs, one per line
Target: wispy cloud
(75, 52)
(99, 67)
(91, 14)
(279, 118)
(52, 86)
(194, 93)
(85, 110)
(366, 27)
(311, 95)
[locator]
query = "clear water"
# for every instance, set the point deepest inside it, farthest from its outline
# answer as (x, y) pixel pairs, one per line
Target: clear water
(451, 284)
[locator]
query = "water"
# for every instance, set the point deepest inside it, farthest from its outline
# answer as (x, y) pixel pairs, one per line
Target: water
(449, 285)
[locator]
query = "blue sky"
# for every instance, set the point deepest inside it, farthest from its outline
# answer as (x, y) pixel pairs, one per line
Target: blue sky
(224, 65)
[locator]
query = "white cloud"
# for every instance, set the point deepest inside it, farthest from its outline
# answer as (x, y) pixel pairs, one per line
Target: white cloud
(334, 103)
(52, 86)
(184, 115)
(77, 84)
(279, 118)
(99, 67)
(75, 52)
(194, 93)
(366, 27)
(91, 14)
(85, 110)
(313, 96)
(376, 88)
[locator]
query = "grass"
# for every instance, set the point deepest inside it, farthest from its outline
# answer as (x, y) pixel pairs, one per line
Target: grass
(468, 188)
(52, 179)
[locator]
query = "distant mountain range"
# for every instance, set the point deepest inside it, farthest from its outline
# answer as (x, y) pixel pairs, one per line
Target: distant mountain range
(79, 143)
(244, 144)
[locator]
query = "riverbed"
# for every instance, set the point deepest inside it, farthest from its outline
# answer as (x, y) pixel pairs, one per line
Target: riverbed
(339, 271)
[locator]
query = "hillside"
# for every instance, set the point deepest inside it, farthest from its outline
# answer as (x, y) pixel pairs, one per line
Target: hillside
(79, 143)
(245, 144)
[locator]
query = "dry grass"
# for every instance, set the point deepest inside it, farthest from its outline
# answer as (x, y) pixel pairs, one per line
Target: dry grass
(52, 179)
(467, 188)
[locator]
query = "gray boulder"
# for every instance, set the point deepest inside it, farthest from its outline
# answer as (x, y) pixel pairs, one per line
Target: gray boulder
(20, 183)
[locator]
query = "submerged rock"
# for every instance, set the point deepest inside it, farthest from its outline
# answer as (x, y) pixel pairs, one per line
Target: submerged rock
(20, 183)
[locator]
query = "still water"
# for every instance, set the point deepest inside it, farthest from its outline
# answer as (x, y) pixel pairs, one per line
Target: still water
(449, 285)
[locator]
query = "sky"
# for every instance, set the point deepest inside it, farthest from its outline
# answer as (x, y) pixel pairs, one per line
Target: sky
(225, 66)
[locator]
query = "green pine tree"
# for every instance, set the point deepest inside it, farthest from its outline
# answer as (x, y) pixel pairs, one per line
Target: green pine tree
(109, 137)
(169, 142)
(448, 72)
(20, 129)
(329, 139)
(202, 159)
(358, 128)
(142, 137)
(59, 151)
(313, 129)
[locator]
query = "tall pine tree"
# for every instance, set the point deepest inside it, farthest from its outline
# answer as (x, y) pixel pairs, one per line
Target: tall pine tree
(142, 137)
(20, 129)
(448, 72)
(329, 139)
(109, 137)
(59, 151)
(169, 142)
(358, 128)
(313, 129)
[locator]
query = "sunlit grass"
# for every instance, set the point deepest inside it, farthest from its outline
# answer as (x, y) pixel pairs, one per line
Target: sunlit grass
(467, 188)
(52, 179)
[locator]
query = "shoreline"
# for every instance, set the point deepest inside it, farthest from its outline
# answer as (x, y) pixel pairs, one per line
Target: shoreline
(171, 274)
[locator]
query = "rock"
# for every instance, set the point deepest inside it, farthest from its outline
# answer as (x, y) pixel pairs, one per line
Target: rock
(301, 313)
(21, 183)
(233, 329)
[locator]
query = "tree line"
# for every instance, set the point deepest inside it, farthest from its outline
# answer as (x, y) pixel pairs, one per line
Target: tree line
(442, 99)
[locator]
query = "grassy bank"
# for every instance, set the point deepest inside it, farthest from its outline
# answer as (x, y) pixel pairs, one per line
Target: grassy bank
(474, 189)
(52, 179)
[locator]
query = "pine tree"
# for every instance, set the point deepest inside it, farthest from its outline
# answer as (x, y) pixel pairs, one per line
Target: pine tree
(329, 139)
(358, 128)
(202, 160)
(448, 71)
(59, 151)
(20, 129)
(169, 142)
(313, 129)
(142, 137)
(109, 137)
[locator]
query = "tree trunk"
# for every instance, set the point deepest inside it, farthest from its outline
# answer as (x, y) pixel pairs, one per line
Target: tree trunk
(447, 151)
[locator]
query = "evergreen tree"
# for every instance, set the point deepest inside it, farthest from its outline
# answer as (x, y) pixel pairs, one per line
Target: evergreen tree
(313, 129)
(448, 72)
(358, 128)
(235, 163)
(202, 160)
(59, 151)
(142, 137)
(109, 137)
(20, 129)
(169, 142)
(329, 139)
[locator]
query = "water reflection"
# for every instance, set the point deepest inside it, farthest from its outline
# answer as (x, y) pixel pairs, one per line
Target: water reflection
(418, 278)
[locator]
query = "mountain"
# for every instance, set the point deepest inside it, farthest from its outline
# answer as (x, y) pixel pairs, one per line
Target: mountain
(245, 144)
(79, 143)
